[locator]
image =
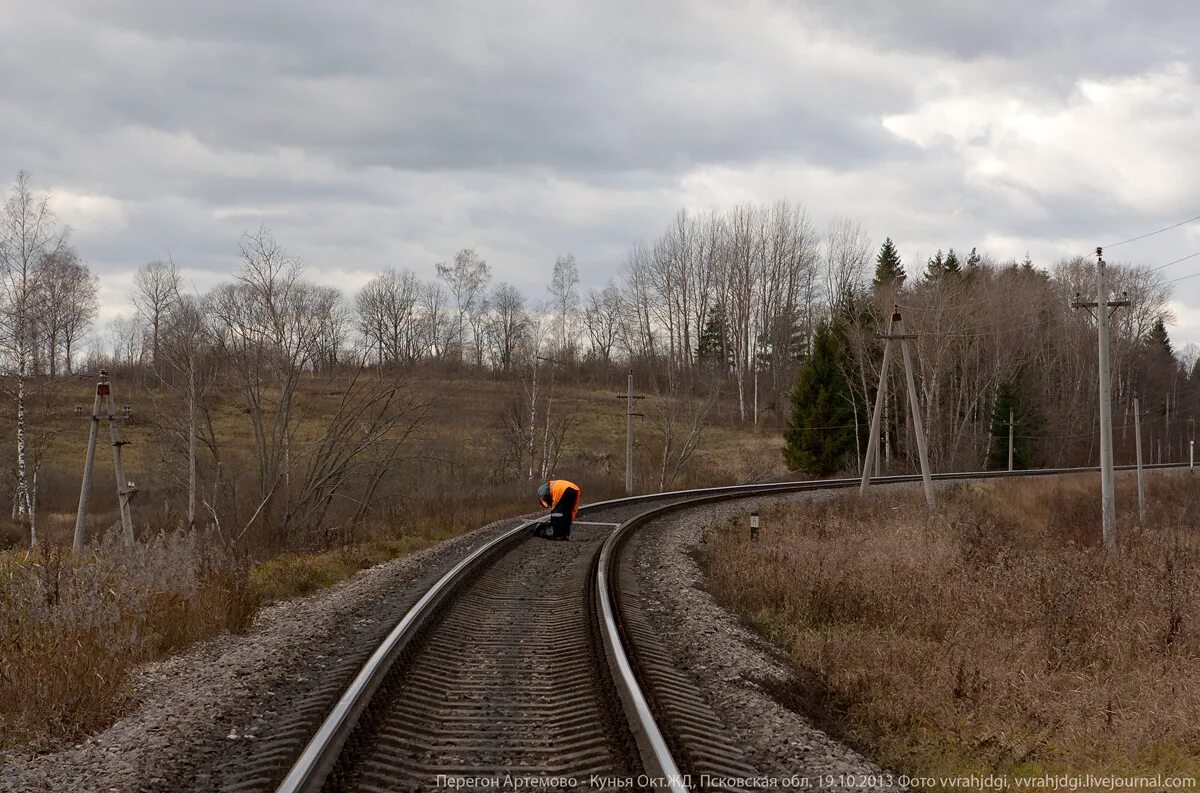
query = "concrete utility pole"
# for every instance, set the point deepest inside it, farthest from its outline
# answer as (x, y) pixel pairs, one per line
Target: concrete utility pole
(1010, 439)
(1137, 444)
(629, 397)
(1108, 503)
(896, 333)
(126, 490)
(85, 490)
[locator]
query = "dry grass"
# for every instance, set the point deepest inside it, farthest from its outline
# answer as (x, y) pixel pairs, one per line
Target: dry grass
(75, 626)
(993, 635)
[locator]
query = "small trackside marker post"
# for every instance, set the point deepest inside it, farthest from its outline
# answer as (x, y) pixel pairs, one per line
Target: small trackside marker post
(1191, 454)
(754, 525)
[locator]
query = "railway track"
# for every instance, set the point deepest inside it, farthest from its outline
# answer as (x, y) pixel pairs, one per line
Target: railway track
(531, 663)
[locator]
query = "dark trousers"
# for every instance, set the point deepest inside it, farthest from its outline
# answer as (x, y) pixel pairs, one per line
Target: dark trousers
(560, 518)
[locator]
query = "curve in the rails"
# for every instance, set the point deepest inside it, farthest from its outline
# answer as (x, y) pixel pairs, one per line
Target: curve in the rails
(503, 667)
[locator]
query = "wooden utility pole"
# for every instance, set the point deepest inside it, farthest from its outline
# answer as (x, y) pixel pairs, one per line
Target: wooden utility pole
(896, 333)
(630, 403)
(1137, 445)
(1108, 503)
(126, 490)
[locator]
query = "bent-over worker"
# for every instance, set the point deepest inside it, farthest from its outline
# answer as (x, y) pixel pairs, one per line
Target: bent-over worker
(562, 499)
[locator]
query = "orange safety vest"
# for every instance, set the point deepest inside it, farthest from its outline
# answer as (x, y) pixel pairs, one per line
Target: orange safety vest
(560, 486)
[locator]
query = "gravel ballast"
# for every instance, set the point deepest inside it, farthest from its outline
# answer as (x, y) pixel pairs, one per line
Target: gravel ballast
(211, 718)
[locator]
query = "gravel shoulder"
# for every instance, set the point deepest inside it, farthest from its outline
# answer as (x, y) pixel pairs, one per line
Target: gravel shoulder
(197, 712)
(735, 667)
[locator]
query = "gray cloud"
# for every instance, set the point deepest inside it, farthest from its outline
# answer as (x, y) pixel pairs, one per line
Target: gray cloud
(369, 134)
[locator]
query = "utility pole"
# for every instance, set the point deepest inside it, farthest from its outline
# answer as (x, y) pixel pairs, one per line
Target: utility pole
(896, 333)
(630, 403)
(1108, 505)
(1010, 439)
(126, 490)
(85, 490)
(1137, 444)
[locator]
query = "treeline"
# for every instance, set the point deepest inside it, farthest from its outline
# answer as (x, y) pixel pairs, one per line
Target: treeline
(993, 338)
(721, 312)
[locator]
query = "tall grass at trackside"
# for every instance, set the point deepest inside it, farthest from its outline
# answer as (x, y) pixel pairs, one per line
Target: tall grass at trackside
(992, 635)
(72, 627)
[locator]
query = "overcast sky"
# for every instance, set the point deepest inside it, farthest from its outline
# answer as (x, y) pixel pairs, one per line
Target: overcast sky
(370, 134)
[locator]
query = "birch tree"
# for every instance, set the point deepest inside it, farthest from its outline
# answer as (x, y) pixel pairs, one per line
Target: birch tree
(29, 232)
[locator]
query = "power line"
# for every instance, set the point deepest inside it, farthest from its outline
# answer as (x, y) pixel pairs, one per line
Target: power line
(1181, 278)
(1177, 261)
(1152, 233)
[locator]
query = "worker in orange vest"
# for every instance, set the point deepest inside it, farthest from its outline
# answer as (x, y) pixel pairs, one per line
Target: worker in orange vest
(562, 499)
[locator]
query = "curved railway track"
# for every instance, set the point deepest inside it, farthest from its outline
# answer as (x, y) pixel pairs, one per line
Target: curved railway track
(532, 661)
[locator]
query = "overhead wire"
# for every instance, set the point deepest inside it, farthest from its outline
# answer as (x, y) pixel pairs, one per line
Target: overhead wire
(1151, 233)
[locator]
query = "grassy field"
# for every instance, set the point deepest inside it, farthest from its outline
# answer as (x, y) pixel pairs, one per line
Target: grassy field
(992, 635)
(460, 438)
(75, 626)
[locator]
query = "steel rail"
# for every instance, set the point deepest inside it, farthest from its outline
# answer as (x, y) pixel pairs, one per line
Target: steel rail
(311, 769)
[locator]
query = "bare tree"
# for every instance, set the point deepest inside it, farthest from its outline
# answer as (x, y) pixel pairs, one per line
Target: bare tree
(602, 317)
(28, 233)
(387, 316)
(186, 345)
(333, 327)
(68, 306)
(678, 423)
(125, 340)
(156, 291)
(847, 253)
(267, 323)
(466, 279)
(510, 323)
(564, 292)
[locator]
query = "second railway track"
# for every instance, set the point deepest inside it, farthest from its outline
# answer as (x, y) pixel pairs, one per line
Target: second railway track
(531, 660)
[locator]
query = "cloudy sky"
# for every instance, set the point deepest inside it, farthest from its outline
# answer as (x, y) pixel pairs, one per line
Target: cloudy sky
(370, 134)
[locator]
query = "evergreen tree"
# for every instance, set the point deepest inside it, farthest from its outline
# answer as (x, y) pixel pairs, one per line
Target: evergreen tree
(888, 268)
(1159, 340)
(1028, 263)
(820, 431)
(1008, 399)
(1196, 371)
(951, 265)
(974, 259)
(711, 346)
(935, 267)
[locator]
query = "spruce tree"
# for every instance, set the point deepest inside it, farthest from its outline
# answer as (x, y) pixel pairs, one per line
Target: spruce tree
(1159, 340)
(974, 259)
(711, 346)
(1008, 399)
(820, 431)
(888, 268)
(935, 267)
(951, 265)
